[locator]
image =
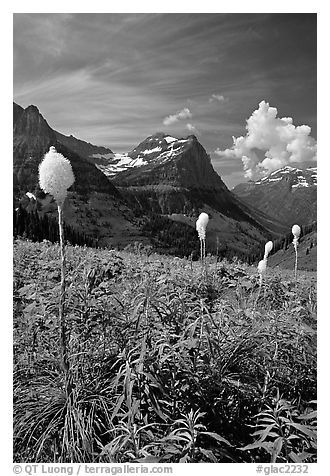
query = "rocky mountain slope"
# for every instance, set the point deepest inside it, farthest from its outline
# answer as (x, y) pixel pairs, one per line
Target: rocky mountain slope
(32, 138)
(94, 204)
(288, 195)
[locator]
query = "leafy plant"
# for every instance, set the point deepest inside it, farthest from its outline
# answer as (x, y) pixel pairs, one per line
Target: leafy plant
(186, 440)
(284, 433)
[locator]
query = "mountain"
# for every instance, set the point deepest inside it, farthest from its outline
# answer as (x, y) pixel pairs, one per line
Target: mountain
(171, 175)
(32, 138)
(161, 159)
(175, 178)
(288, 195)
(17, 111)
(94, 204)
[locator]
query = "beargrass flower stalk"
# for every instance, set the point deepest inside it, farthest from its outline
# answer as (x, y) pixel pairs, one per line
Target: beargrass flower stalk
(201, 225)
(216, 260)
(262, 266)
(268, 249)
(55, 177)
(296, 233)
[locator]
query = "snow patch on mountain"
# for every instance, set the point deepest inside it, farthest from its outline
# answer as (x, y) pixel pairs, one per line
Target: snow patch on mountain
(170, 139)
(138, 162)
(119, 163)
(122, 159)
(151, 151)
(274, 179)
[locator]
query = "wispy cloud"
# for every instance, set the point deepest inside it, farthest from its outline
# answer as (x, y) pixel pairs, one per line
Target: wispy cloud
(217, 97)
(192, 128)
(180, 115)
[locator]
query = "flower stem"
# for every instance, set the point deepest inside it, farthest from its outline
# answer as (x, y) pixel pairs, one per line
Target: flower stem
(258, 295)
(296, 260)
(63, 330)
(204, 254)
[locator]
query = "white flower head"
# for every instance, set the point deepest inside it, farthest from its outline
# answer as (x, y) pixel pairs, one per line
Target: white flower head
(296, 231)
(201, 225)
(262, 266)
(268, 248)
(55, 175)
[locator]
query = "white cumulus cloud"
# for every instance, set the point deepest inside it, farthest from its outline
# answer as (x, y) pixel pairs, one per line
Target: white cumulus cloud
(270, 143)
(183, 114)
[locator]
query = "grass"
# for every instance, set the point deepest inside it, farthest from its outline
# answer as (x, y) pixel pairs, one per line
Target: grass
(168, 364)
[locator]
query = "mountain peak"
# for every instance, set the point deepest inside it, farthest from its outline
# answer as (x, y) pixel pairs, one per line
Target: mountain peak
(30, 123)
(192, 137)
(158, 150)
(32, 109)
(164, 160)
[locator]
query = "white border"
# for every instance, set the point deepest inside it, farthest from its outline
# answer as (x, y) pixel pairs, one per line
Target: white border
(251, 6)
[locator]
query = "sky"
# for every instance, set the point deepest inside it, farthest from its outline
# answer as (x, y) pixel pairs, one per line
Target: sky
(114, 79)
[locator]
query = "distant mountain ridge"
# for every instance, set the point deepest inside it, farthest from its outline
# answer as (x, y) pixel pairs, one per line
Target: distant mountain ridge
(288, 194)
(296, 177)
(82, 148)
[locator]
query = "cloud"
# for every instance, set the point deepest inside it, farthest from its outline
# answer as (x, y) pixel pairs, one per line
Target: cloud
(172, 119)
(118, 96)
(217, 97)
(192, 128)
(270, 143)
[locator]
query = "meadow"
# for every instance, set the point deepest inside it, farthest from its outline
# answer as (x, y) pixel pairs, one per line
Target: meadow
(168, 361)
